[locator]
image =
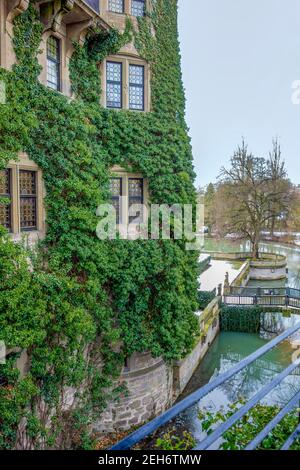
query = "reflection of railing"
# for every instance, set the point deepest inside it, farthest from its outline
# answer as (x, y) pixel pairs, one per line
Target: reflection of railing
(273, 297)
(194, 398)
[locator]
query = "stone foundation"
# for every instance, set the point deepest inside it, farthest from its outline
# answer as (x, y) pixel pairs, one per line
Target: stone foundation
(184, 370)
(152, 385)
(149, 392)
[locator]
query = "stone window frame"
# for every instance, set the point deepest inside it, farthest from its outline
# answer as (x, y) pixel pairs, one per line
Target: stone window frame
(126, 61)
(64, 78)
(127, 8)
(57, 61)
(28, 165)
(125, 176)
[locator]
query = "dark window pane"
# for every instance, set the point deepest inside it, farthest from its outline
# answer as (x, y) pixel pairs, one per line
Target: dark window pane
(138, 7)
(114, 85)
(135, 196)
(28, 200)
(5, 193)
(117, 6)
(53, 63)
(136, 87)
(94, 4)
(5, 182)
(116, 193)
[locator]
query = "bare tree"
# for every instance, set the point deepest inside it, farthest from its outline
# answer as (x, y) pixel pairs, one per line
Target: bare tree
(279, 183)
(252, 198)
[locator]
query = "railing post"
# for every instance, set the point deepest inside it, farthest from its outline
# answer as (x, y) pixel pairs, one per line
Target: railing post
(287, 301)
(255, 301)
(258, 292)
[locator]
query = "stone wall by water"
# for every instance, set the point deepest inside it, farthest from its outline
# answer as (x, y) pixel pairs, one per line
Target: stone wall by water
(152, 385)
(183, 370)
(149, 385)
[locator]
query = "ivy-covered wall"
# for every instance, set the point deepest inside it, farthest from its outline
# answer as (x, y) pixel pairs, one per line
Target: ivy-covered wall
(87, 304)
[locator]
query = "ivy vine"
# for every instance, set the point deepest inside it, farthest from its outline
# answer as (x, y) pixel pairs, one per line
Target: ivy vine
(88, 303)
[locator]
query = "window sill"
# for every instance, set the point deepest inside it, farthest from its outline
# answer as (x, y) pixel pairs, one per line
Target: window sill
(127, 109)
(30, 238)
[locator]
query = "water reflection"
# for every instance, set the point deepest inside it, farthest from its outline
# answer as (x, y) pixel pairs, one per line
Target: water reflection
(215, 274)
(227, 351)
(230, 348)
(292, 254)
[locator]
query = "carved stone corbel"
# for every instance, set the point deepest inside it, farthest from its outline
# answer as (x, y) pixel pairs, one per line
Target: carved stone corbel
(52, 13)
(77, 31)
(15, 8)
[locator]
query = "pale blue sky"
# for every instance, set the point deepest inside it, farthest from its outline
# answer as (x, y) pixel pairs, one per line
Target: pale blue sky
(240, 58)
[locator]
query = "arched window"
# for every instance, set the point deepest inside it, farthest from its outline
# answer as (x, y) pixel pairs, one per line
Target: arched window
(53, 63)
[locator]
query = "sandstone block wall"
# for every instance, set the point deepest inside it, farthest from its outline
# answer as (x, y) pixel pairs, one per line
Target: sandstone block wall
(149, 393)
(183, 370)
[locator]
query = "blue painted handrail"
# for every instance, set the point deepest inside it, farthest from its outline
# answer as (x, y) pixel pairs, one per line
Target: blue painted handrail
(194, 398)
(290, 441)
(279, 417)
(209, 440)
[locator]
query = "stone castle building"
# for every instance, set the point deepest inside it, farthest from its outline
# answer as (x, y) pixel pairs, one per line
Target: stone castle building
(126, 79)
(126, 85)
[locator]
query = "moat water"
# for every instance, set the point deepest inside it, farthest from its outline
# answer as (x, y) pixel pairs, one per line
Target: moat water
(230, 348)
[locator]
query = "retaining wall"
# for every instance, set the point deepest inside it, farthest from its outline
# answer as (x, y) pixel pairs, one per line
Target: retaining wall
(152, 386)
(269, 266)
(149, 384)
(210, 326)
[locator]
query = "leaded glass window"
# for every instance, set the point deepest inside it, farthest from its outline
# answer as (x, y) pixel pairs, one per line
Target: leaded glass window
(136, 196)
(28, 200)
(5, 194)
(116, 193)
(117, 6)
(138, 7)
(136, 87)
(53, 63)
(114, 84)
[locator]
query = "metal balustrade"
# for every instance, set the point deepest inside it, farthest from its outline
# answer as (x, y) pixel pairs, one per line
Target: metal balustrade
(149, 428)
(263, 296)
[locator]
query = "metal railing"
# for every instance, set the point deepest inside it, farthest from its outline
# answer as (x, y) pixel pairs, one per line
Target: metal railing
(149, 428)
(263, 296)
(264, 291)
